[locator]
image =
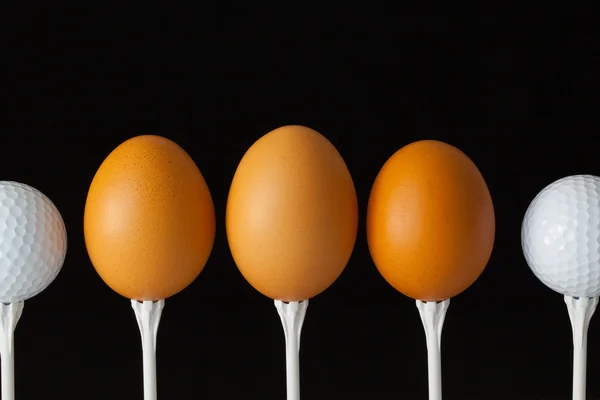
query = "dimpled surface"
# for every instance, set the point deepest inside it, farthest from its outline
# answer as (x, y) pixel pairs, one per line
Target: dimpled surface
(561, 236)
(33, 242)
(149, 220)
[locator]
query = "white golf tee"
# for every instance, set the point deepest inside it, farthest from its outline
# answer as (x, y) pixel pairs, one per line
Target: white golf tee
(148, 315)
(9, 317)
(292, 317)
(433, 315)
(581, 311)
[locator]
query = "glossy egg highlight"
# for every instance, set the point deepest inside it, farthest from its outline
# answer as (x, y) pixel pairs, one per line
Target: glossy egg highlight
(149, 221)
(430, 221)
(292, 214)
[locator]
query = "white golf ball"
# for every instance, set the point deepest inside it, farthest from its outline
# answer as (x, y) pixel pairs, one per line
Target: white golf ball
(561, 236)
(33, 242)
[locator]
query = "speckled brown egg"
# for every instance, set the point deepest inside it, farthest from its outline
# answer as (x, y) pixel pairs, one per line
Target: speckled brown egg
(292, 214)
(430, 221)
(149, 221)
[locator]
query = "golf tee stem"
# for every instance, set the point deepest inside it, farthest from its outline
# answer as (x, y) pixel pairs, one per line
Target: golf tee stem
(581, 311)
(433, 315)
(9, 317)
(292, 317)
(148, 315)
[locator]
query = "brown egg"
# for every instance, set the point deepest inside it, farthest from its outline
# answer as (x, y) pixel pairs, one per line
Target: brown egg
(149, 220)
(292, 214)
(430, 221)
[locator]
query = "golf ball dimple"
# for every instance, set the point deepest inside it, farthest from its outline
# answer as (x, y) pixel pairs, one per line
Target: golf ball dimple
(560, 236)
(33, 242)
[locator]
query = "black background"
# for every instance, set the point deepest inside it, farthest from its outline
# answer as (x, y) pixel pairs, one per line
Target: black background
(518, 97)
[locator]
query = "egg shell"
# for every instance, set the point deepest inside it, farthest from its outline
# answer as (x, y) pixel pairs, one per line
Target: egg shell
(292, 214)
(430, 221)
(149, 220)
